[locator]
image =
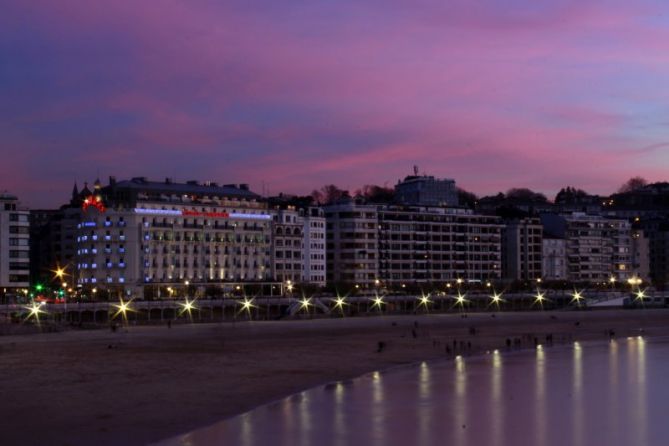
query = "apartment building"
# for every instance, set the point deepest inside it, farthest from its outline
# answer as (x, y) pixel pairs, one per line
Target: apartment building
(554, 259)
(597, 248)
(313, 246)
(352, 243)
(522, 249)
(409, 244)
(424, 190)
(287, 247)
(14, 246)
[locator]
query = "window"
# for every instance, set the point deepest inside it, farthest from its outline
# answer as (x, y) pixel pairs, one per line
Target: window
(18, 217)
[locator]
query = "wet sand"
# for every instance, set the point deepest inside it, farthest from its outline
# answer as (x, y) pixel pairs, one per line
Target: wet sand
(71, 388)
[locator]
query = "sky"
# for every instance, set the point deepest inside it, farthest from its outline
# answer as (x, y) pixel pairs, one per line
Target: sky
(289, 96)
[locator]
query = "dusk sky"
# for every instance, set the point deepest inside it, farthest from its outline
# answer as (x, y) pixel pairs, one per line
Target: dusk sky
(495, 94)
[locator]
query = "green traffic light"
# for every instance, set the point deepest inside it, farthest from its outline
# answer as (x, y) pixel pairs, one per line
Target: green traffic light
(39, 287)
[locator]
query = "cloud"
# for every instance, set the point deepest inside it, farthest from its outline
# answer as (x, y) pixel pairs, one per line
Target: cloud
(493, 94)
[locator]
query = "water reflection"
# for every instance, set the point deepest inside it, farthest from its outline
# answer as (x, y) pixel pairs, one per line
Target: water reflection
(582, 394)
(340, 415)
(460, 402)
(378, 412)
(540, 396)
(497, 409)
(641, 390)
(612, 412)
(577, 408)
(424, 410)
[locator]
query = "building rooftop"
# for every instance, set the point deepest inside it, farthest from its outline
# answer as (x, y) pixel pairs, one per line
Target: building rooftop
(188, 188)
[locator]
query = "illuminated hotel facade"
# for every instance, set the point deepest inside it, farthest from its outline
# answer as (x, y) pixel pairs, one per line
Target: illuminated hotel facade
(140, 234)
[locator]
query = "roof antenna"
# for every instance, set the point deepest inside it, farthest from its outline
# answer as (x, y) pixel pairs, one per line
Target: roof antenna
(415, 170)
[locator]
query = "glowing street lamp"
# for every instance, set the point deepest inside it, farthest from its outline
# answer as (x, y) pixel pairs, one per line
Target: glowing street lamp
(576, 297)
(461, 299)
(34, 310)
(59, 273)
(377, 302)
(424, 300)
(187, 307)
(640, 295)
(246, 306)
(122, 309)
(496, 298)
(305, 303)
(339, 303)
(540, 298)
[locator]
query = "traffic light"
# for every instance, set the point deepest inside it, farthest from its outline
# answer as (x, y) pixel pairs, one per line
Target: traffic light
(39, 287)
(61, 293)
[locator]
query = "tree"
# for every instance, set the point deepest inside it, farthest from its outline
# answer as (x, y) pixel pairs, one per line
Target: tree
(466, 198)
(525, 194)
(632, 184)
(570, 195)
(376, 194)
(329, 194)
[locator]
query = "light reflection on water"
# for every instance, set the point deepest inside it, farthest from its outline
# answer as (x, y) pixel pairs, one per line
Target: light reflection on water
(583, 395)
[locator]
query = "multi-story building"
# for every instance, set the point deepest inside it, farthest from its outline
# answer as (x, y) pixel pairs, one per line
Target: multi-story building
(287, 262)
(162, 234)
(352, 243)
(597, 248)
(640, 255)
(396, 245)
(657, 232)
(423, 190)
(554, 259)
(14, 246)
(522, 249)
(313, 246)
(53, 237)
(437, 244)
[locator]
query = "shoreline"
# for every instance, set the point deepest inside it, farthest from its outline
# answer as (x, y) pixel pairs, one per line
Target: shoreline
(148, 384)
(177, 439)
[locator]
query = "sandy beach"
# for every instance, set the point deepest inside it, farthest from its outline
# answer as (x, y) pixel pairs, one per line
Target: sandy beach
(142, 384)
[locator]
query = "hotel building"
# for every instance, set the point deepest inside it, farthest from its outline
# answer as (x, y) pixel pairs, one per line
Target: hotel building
(138, 232)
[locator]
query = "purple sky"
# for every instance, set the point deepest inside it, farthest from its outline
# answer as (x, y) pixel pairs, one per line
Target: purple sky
(298, 94)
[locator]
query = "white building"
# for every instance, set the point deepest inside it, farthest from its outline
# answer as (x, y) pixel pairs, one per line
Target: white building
(287, 254)
(140, 233)
(14, 246)
(554, 259)
(313, 246)
(597, 248)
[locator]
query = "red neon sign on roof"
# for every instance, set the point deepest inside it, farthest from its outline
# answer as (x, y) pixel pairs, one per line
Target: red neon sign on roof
(94, 201)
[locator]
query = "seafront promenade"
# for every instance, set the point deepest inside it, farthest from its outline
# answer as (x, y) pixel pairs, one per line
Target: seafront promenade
(272, 308)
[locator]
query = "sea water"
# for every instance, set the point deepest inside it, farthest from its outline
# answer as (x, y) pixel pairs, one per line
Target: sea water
(609, 394)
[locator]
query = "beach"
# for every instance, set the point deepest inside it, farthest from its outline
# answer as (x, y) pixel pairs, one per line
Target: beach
(141, 384)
